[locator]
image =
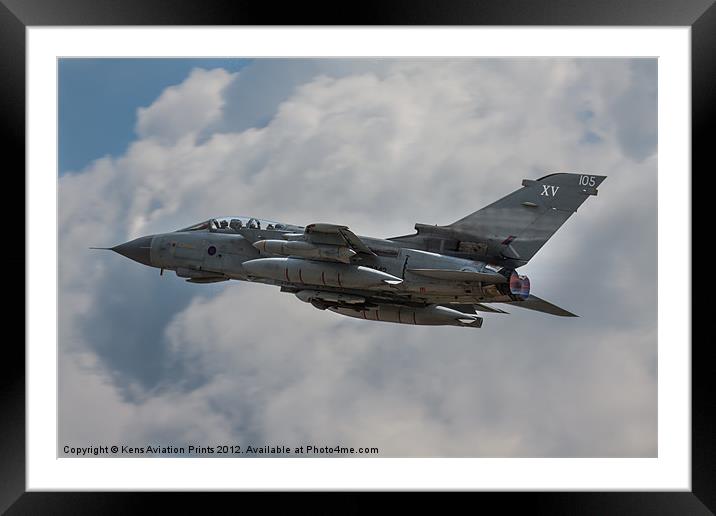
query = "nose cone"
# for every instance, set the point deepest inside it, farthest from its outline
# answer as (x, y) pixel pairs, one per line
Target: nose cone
(137, 249)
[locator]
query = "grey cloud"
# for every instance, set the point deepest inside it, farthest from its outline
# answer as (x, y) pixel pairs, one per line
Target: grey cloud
(253, 97)
(626, 104)
(635, 111)
(529, 394)
(127, 328)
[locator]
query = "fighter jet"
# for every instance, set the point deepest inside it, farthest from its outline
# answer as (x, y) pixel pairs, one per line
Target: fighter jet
(440, 275)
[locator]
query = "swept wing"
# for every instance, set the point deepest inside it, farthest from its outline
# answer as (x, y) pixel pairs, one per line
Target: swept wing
(333, 234)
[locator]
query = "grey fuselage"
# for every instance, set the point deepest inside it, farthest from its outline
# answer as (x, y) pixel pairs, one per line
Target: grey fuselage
(211, 255)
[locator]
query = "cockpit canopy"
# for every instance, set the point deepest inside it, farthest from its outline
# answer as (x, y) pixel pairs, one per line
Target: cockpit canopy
(235, 223)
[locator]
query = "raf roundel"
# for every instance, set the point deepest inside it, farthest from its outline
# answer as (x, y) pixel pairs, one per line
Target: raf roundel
(211, 250)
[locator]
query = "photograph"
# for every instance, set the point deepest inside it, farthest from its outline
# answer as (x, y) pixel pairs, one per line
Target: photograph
(423, 249)
(357, 257)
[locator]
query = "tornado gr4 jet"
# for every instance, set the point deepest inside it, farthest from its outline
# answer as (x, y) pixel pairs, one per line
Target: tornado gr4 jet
(440, 275)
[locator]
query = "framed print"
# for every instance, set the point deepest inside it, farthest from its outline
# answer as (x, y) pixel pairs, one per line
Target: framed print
(398, 170)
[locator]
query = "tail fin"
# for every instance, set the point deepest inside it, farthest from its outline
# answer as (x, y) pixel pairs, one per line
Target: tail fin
(518, 225)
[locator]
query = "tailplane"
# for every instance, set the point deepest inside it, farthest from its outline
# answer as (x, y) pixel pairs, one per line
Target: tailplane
(540, 305)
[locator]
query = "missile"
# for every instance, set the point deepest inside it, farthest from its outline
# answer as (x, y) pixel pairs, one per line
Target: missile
(208, 280)
(328, 274)
(305, 249)
(197, 276)
(332, 297)
(432, 315)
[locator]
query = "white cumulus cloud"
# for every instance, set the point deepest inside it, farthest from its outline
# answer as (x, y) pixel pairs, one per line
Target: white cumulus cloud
(184, 110)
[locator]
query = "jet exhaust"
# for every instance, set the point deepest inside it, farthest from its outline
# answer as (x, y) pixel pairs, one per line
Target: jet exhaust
(519, 286)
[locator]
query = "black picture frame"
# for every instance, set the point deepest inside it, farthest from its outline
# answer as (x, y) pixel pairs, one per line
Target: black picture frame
(16, 15)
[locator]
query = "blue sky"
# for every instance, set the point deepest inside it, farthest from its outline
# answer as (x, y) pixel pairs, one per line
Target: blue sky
(98, 101)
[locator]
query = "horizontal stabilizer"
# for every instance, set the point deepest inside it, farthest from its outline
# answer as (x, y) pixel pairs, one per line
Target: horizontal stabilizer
(540, 305)
(485, 308)
(454, 275)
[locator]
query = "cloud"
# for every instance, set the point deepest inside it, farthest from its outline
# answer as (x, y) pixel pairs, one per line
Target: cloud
(376, 145)
(186, 109)
(635, 111)
(254, 94)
